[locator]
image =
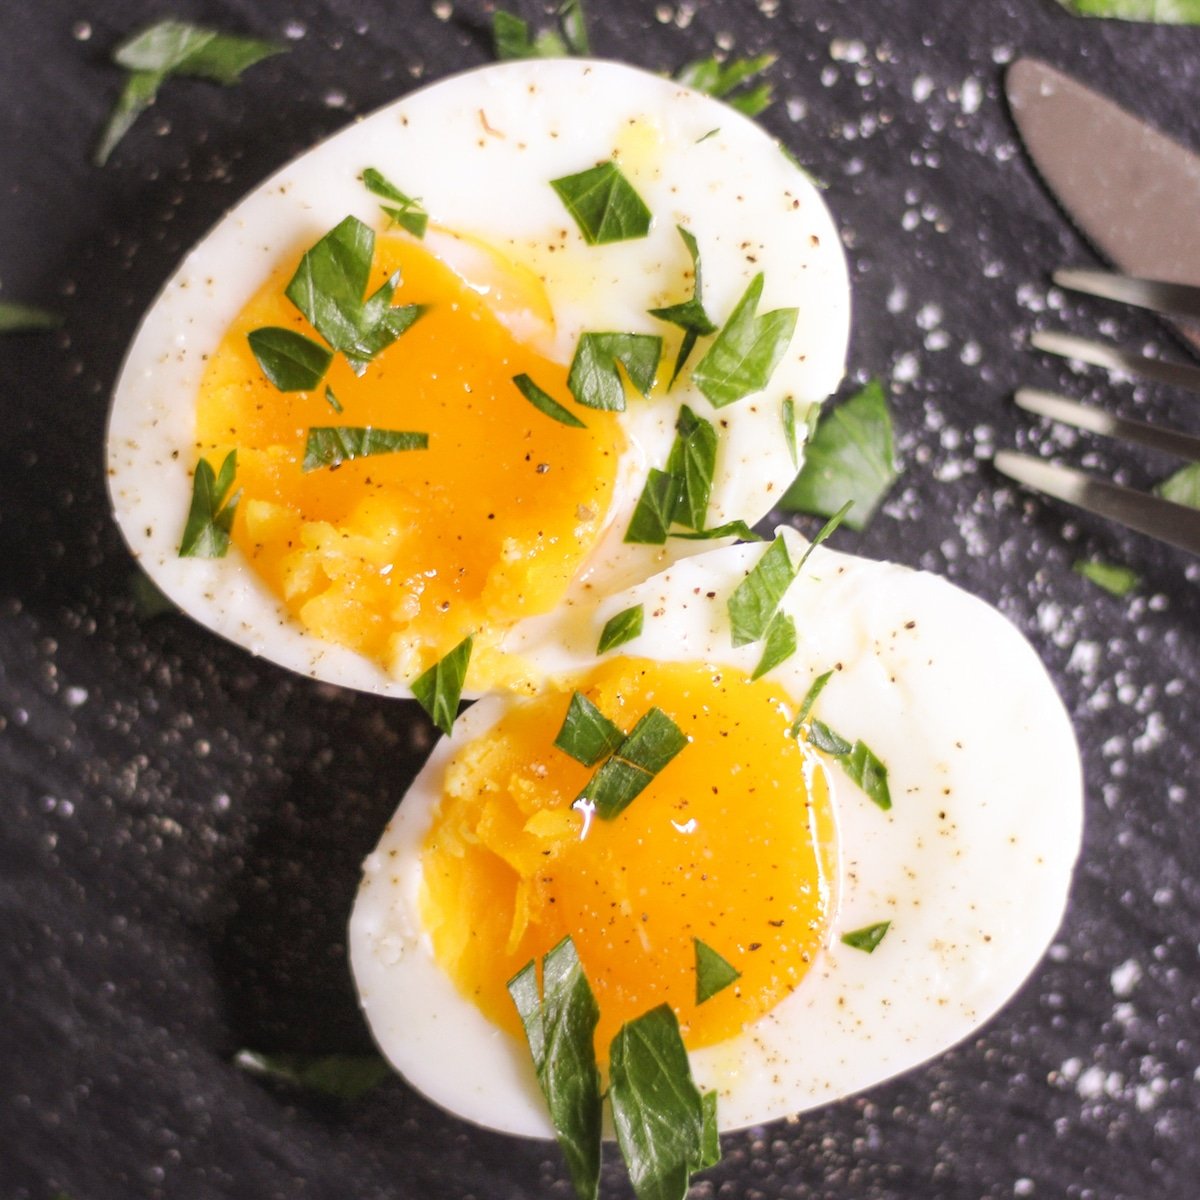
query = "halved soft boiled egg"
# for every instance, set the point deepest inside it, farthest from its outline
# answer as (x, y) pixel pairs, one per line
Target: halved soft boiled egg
(755, 841)
(395, 499)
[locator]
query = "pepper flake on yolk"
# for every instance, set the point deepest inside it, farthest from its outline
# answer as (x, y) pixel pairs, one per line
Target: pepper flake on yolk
(733, 844)
(400, 556)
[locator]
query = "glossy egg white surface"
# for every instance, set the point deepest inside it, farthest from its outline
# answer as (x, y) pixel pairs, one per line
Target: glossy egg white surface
(971, 865)
(479, 150)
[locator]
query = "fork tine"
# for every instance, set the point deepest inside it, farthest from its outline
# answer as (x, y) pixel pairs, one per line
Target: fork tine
(1096, 420)
(1172, 299)
(1163, 519)
(1099, 354)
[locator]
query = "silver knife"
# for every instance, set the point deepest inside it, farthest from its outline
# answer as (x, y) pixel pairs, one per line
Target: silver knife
(1131, 190)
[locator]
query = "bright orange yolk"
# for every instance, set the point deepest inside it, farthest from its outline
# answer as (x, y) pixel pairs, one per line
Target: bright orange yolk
(399, 556)
(733, 843)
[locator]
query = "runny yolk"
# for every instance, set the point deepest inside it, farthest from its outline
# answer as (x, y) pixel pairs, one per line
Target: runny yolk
(733, 844)
(399, 556)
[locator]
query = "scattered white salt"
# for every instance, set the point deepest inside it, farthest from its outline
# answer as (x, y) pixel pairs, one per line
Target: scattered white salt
(1125, 978)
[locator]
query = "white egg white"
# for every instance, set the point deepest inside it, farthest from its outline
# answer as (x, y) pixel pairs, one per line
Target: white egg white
(479, 150)
(971, 864)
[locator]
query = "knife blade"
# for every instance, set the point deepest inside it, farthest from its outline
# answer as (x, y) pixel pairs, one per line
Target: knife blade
(1131, 190)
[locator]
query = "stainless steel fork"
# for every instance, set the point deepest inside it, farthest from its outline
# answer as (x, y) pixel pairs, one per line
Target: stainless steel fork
(1177, 524)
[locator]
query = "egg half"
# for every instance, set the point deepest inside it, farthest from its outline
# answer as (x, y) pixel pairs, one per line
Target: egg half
(365, 574)
(763, 848)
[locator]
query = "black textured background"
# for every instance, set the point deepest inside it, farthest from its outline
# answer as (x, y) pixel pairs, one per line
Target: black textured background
(181, 826)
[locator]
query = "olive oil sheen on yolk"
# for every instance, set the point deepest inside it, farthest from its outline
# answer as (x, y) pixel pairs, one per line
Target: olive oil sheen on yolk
(400, 556)
(732, 843)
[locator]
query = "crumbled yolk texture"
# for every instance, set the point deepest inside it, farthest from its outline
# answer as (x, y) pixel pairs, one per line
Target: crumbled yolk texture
(733, 844)
(400, 556)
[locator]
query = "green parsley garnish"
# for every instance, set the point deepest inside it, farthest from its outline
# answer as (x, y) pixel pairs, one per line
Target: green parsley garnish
(511, 39)
(328, 289)
(735, 529)
(574, 27)
(680, 494)
(332, 400)
(665, 1129)
(174, 48)
(1162, 12)
(604, 204)
(545, 403)
(744, 355)
(821, 736)
(439, 689)
(754, 601)
(857, 760)
(692, 462)
(343, 1076)
(291, 361)
(779, 644)
(789, 429)
(810, 698)
(689, 315)
(587, 735)
(25, 318)
(1183, 487)
(332, 445)
(621, 628)
(652, 514)
(403, 209)
(652, 743)
(560, 1022)
(1118, 580)
(594, 379)
(868, 937)
(713, 973)
(210, 518)
(850, 457)
(723, 79)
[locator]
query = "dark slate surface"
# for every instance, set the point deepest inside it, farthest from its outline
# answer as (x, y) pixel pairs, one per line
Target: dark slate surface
(181, 825)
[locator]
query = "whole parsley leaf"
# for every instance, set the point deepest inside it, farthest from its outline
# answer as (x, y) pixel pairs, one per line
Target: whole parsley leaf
(605, 205)
(850, 457)
(210, 517)
(744, 355)
(560, 1024)
(663, 1125)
